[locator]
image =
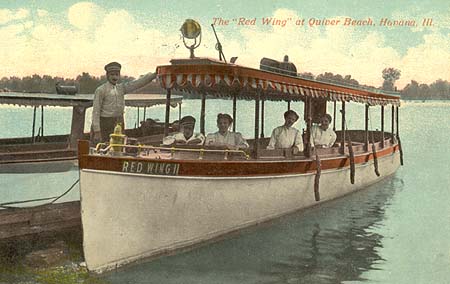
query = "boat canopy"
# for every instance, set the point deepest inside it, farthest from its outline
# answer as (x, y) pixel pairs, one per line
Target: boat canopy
(216, 78)
(82, 100)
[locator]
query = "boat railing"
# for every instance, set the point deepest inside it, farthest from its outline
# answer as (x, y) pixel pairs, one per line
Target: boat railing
(163, 152)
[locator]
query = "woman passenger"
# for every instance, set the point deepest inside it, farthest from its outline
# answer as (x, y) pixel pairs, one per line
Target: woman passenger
(322, 136)
(224, 137)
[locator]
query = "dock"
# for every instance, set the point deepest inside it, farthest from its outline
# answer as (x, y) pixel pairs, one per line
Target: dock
(49, 218)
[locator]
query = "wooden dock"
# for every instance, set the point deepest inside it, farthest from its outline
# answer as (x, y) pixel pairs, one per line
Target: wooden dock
(51, 218)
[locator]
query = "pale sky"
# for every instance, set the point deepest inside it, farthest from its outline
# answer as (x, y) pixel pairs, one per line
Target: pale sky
(66, 38)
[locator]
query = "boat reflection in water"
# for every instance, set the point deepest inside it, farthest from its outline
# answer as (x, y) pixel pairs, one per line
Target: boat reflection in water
(330, 243)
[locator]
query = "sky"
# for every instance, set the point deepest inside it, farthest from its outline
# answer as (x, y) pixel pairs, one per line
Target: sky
(66, 38)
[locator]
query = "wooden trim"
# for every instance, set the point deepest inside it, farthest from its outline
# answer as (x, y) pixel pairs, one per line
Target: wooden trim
(224, 168)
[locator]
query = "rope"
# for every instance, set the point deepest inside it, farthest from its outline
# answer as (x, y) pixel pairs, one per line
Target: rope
(6, 205)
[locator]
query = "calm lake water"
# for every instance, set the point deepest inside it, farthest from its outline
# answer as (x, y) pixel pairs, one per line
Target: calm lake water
(396, 231)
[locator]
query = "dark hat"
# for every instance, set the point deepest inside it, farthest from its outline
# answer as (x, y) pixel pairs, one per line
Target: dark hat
(288, 112)
(327, 116)
(187, 120)
(113, 66)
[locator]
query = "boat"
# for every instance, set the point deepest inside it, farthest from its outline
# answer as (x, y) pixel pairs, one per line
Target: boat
(40, 153)
(157, 200)
(65, 89)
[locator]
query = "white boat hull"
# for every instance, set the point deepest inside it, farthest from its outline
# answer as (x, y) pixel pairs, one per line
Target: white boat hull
(127, 217)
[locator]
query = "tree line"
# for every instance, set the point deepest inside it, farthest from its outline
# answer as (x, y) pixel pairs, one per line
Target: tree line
(86, 84)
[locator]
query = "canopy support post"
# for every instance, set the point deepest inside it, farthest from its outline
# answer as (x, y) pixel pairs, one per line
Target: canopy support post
(256, 144)
(42, 121)
(289, 105)
(343, 128)
(234, 112)
(166, 122)
(34, 125)
(382, 126)
(145, 110)
(179, 116)
(138, 118)
(398, 138)
(77, 128)
(308, 145)
(392, 125)
(396, 122)
(366, 138)
(334, 116)
(202, 114)
(262, 116)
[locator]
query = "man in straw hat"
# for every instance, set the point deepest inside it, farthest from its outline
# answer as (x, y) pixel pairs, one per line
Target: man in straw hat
(187, 135)
(109, 102)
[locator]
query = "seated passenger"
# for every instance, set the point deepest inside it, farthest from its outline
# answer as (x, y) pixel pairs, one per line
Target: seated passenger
(225, 138)
(286, 136)
(187, 135)
(321, 135)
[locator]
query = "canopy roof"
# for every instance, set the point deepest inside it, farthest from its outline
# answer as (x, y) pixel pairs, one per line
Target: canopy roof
(83, 100)
(211, 77)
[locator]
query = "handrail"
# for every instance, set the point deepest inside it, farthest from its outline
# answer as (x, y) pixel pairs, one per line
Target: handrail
(172, 150)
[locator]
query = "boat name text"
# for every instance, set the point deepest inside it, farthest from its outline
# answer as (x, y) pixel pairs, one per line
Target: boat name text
(150, 168)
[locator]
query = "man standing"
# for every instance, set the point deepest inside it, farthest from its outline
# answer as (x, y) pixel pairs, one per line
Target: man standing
(286, 136)
(109, 101)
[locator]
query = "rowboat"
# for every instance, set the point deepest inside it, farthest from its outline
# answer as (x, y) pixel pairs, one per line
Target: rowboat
(40, 153)
(141, 201)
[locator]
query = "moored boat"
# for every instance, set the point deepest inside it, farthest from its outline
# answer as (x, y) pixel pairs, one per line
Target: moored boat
(159, 199)
(42, 153)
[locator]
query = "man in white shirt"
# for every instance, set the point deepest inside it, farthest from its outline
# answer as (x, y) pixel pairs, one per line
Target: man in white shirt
(322, 136)
(187, 135)
(286, 136)
(109, 101)
(224, 138)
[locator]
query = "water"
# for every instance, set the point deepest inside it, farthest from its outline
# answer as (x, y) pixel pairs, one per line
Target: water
(396, 231)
